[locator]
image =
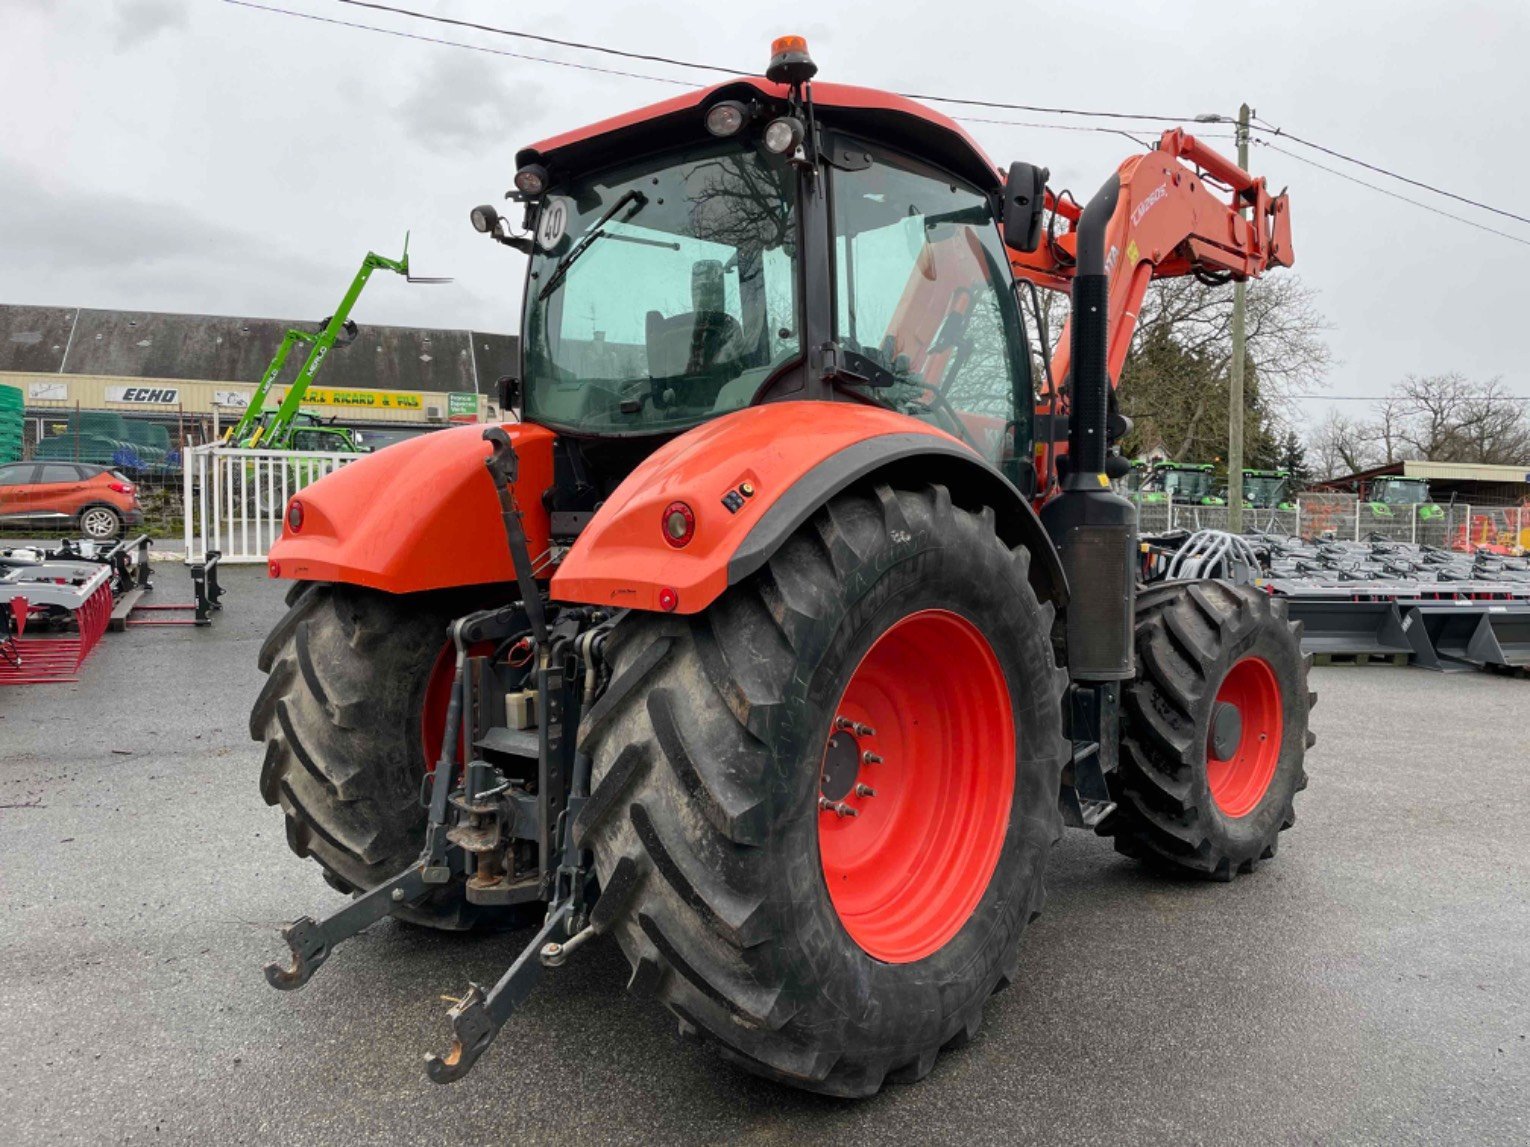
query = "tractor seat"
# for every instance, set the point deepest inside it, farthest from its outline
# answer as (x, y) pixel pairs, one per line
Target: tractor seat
(694, 343)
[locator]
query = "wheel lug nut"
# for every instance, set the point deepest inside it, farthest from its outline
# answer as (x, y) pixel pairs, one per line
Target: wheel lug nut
(865, 791)
(864, 731)
(824, 804)
(843, 723)
(846, 810)
(871, 758)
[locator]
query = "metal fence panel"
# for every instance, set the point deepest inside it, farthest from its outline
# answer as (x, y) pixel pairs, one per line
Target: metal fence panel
(235, 499)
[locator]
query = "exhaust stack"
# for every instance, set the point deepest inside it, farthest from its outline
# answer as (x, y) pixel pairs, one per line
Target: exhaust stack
(1093, 527)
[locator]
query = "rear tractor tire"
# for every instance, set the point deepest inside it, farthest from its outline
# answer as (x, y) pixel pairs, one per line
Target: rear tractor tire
(354, 680)
(823, 806)
(1213, 730)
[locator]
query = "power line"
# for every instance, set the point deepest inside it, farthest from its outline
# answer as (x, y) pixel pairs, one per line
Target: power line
(693, 64)
(1040, 109)
(1393, 194)
(1395, 398)
(1391, 174)
(490, 28)
(580, 45)
(454, 43)
(1078, 127)
(636, 75)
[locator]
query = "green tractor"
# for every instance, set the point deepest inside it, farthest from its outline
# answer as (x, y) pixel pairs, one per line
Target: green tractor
(1267, 490)
(1182, 483)
(1393, 492)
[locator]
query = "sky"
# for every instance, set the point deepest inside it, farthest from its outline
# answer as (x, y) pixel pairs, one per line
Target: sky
(196, 155)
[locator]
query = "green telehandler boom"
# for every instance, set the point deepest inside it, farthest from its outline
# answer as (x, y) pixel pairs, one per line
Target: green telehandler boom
(258, 427)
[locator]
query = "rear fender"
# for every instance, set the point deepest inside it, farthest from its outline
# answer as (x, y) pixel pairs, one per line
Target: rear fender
(794, 456)
(420, 515)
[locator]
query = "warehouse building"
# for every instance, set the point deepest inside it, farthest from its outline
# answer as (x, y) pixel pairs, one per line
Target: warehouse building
(196, 373)
(1466, 482)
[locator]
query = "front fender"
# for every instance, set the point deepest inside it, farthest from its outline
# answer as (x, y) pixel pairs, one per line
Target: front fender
(794, 456)
(419, 515)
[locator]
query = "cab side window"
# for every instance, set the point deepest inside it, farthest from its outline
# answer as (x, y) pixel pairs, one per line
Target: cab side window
(922, 290)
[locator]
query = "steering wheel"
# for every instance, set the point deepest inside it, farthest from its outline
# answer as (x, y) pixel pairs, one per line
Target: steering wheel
(942, 404)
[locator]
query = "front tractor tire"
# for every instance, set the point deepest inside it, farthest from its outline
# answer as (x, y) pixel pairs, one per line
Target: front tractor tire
(823, 807)
(1213, 730)
(346, 712)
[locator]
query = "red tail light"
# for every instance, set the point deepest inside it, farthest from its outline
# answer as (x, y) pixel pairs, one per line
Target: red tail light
(119, 487)
(679, 524)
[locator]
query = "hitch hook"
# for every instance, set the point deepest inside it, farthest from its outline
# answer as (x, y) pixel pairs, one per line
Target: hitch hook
(478, 1017)
(309, 950)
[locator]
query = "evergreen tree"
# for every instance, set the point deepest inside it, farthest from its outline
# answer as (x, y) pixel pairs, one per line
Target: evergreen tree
(1293, 460)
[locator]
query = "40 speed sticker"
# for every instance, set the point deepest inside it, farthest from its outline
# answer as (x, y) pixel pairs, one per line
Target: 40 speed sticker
(552, 224)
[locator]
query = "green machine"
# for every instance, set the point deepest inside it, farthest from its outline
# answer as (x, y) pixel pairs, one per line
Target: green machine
(286, 428)
(1183, 483)
(1393, 492)
(1267, 490)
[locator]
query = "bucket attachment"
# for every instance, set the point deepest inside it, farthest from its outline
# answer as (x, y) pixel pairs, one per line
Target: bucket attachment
(1351, 628)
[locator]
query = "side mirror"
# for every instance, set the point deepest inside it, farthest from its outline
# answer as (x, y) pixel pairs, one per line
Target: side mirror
(1025, 195)
(509, 393)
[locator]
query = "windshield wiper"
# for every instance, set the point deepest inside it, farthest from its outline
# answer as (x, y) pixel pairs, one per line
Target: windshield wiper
(631, 195)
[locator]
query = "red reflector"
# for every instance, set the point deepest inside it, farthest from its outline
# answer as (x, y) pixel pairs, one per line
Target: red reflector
(274, 568)
(119, 487)
(679, 524)
(669, 600)
(295, 515)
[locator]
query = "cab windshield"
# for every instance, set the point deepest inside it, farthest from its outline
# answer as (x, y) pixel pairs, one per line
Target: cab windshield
(1263, 490)
(1404, 492)
(663, 293)
(1187, 485)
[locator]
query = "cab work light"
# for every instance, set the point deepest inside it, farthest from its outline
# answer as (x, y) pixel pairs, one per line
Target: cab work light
(727, 118)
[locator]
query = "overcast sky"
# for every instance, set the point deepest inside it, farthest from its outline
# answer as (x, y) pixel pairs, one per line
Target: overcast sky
(191, 155)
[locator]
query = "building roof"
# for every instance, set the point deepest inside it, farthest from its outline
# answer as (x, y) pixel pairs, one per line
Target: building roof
(1435, 471)
(219, 348)
(1467, 471)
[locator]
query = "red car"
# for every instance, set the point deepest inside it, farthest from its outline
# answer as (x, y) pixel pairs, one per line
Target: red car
(97, 501)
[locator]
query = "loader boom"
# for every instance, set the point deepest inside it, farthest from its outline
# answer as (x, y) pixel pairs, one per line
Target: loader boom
(1181, 211)
(252, 429)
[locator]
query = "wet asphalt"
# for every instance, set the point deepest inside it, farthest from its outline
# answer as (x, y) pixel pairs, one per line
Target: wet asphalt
(1372, 985)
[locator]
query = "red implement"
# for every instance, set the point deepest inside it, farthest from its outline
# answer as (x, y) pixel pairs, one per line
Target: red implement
(50, 660)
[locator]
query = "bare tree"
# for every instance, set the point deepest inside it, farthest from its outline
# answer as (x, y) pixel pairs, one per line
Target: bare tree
(1175, 384)
(1448, 418)
(1442, 418)
(1342, 446)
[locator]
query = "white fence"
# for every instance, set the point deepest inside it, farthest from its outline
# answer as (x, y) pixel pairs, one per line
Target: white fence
(1449, 526)
(235, 499)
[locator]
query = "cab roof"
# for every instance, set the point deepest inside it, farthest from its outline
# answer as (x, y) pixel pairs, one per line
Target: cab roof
(882, 116)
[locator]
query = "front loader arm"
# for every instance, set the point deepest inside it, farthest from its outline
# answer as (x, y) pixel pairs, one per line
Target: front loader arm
(1181, 211)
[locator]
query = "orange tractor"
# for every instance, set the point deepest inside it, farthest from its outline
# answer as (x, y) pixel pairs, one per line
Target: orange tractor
(785, 631)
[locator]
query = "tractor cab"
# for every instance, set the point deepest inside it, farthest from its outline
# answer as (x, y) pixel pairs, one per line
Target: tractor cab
(1393, 493)
(722, 256)
(1267, 490)
(307, 431)
(1183, 483)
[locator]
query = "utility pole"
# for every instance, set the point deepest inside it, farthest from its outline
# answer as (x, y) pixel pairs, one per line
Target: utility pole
(1235, 382)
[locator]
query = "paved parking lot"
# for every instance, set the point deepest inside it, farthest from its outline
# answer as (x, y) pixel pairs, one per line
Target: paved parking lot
(1371, 985)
